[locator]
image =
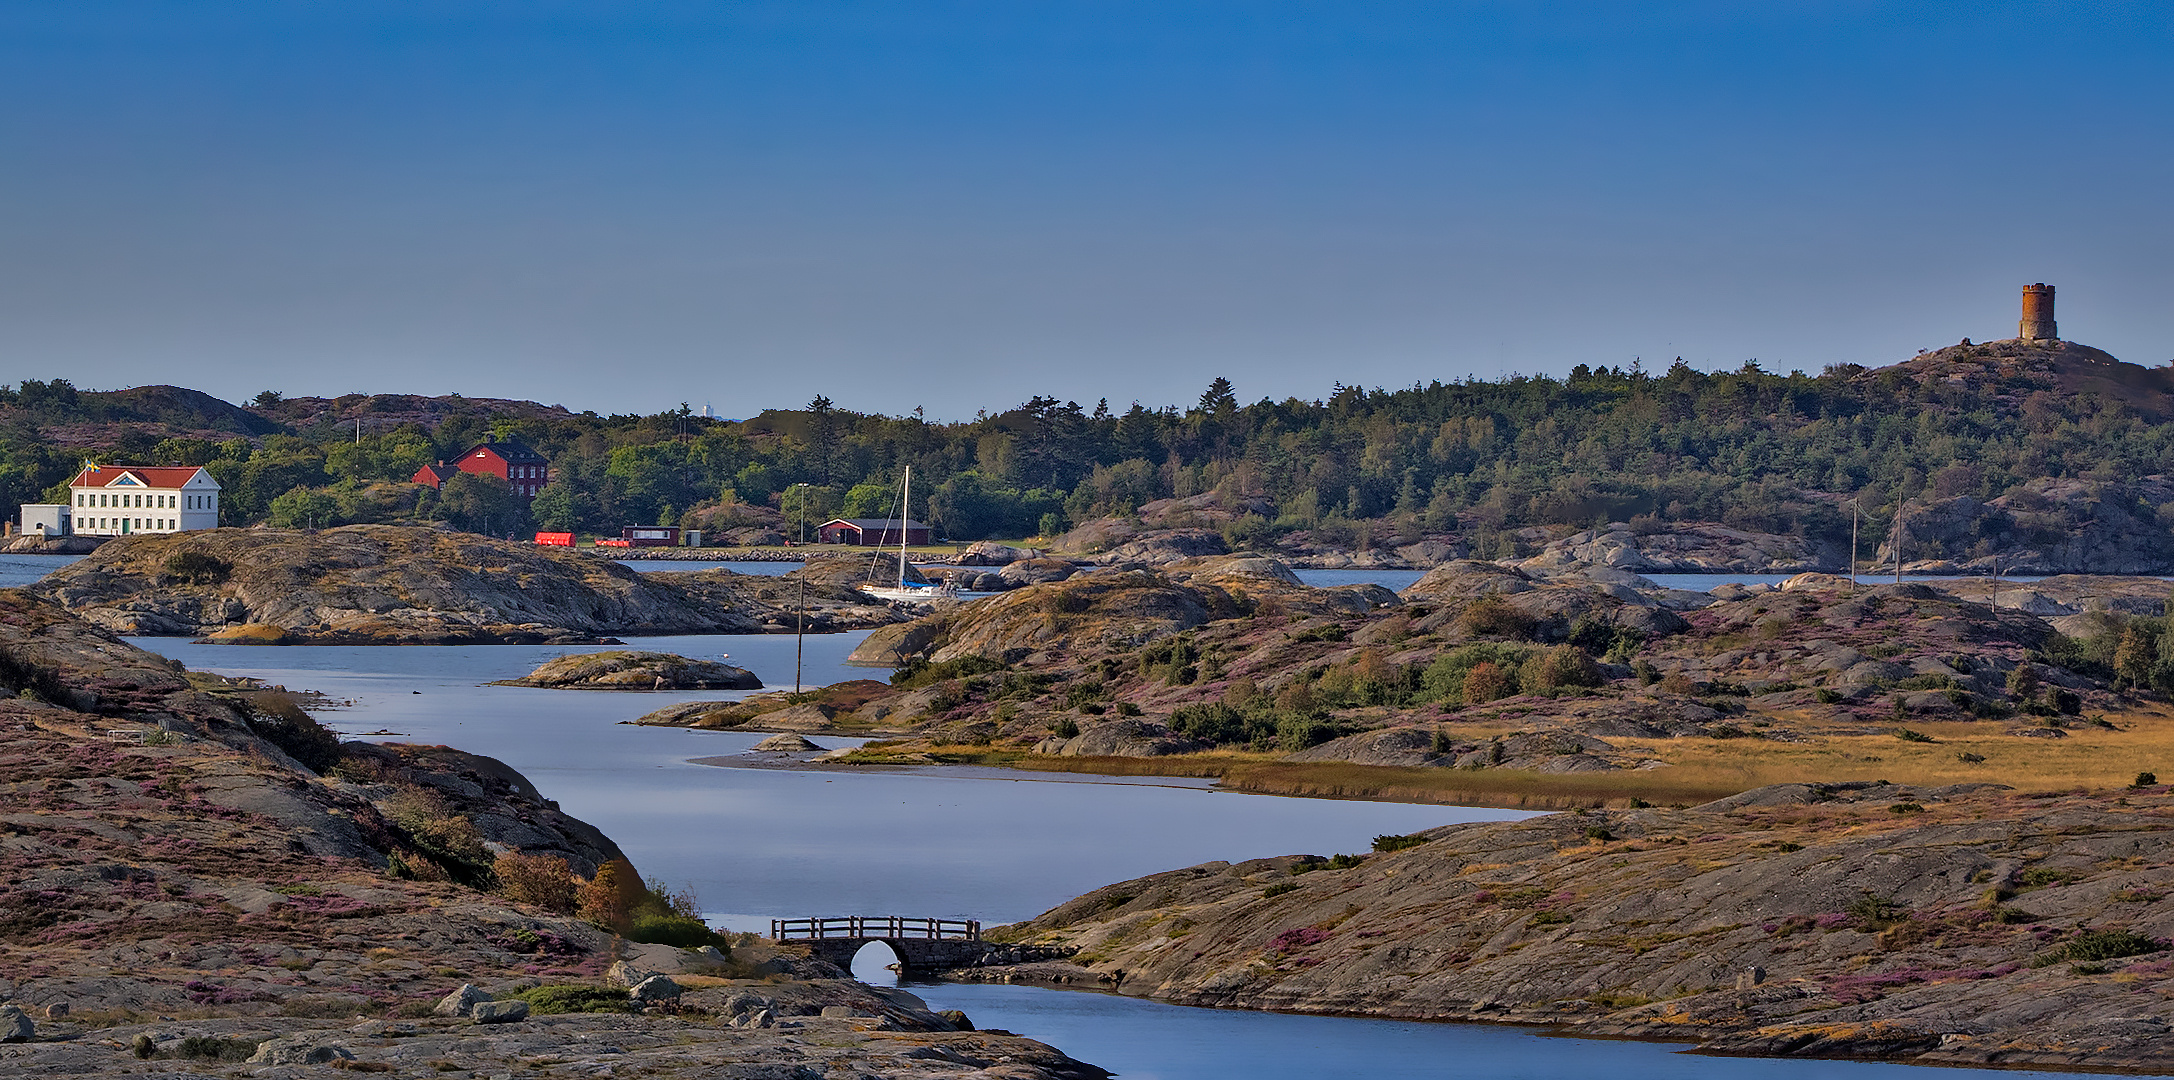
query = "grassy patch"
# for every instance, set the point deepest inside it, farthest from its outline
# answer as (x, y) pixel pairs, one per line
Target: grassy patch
(571, 998)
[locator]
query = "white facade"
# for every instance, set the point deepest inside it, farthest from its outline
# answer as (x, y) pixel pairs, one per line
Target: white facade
(47, 519)
(122, 501)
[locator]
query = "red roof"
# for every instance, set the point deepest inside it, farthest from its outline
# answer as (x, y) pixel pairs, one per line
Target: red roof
(148, 476)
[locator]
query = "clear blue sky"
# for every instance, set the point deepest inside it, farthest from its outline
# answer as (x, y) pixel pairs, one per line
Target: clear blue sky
(621, 206)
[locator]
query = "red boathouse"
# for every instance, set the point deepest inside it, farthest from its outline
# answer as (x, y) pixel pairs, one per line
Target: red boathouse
(870, 532)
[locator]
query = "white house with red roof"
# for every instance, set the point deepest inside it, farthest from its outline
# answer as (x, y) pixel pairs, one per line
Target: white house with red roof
(121, 500)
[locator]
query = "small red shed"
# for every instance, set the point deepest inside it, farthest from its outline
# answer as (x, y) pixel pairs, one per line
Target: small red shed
(870, 532)
(650, 535)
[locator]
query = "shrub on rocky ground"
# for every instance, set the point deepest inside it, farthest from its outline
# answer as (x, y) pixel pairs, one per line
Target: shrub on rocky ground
(551, 1000)
(543, 880)
(280, 721)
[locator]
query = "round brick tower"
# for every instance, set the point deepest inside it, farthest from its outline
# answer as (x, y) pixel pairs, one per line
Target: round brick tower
(2037, 324)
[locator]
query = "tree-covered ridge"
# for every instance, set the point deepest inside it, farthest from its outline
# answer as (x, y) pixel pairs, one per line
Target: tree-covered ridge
(1757, 449)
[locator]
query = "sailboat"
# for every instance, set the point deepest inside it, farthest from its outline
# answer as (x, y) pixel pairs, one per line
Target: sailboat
(919, 594)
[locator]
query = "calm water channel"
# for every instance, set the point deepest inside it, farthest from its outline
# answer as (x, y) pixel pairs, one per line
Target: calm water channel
(758, 843)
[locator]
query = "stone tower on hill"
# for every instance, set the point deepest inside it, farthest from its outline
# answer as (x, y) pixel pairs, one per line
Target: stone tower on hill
(2037, 324)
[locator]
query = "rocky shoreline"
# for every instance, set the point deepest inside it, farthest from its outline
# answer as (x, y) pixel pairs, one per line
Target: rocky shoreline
(407, 585)
(1961, 926)
(199, 878)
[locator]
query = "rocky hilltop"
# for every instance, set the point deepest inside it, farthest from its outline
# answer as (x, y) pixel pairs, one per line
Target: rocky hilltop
(1965, 926)
(196, 877)
(619, 669)
(390, 584)
(1484, 683)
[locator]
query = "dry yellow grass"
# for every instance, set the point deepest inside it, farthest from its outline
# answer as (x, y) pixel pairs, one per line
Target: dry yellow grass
(1698, 770)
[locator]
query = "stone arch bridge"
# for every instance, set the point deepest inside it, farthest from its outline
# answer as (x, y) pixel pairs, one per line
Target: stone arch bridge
(921, 944)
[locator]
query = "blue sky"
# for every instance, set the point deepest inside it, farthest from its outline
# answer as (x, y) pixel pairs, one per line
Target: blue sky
(957, 205)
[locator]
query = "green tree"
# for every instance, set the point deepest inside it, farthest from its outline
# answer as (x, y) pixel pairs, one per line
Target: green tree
(479, 502)
(870, 501)
(553, 508)
(303, 508)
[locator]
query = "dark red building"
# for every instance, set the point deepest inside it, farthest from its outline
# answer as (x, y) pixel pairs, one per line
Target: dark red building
(525, 470)
(869, 532)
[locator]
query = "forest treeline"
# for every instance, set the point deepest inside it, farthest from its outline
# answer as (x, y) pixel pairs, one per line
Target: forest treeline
(1750, 448)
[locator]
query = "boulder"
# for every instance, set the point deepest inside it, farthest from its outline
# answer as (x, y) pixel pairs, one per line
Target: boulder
(15, 1025)
(302, 1050)
(1036, 571)
(853, 568)
(890, 646)
(1129, 737)
(1466, 579)
(460, 1001)
(1132, 607)
(1169, 546)
(1400, 747)
(626, 669)
(787, 743)
(991, 553)
(623, 973)
(498, 1012)
(654, 989)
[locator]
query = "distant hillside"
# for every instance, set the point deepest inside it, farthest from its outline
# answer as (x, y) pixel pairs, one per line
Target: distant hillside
(1497, 469)
(382, 411)
(91, 419)
(2003, 374)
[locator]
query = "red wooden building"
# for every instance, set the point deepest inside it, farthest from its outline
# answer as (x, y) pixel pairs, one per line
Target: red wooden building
(870, 532)
(512, 461)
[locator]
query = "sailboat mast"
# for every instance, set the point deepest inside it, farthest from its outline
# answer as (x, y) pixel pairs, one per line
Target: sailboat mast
(905, 499)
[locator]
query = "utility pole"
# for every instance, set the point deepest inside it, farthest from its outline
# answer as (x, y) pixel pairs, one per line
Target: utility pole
(1855, 512)
(1898, 541)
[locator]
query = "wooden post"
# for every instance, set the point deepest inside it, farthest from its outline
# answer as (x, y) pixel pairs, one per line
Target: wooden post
(1898, 541)
(1855, 511)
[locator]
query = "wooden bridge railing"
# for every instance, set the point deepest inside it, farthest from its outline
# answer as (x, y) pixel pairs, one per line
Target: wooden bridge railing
(877, 926)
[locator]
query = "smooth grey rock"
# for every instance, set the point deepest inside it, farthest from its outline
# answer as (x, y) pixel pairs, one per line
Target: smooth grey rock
(498, 1012)
(15, 1025)
(655, 988)
(460, 1001)
(299, 1050)
(623, 973)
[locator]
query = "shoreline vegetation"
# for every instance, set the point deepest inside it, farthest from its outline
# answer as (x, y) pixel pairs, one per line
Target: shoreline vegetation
(2095, 758)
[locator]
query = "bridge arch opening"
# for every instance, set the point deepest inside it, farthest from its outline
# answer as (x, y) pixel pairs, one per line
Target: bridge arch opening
(873, 964)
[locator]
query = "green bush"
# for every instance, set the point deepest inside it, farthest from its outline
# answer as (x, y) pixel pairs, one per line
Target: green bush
(1393, 842)
(214, 1048)
(1444, 679)
(917, 672)
(683, 931)
(281, 722)
(2107, 945)
(1278, 889)
(197, 567)
(1492, 616)
(569, 998)
(1559, 668)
